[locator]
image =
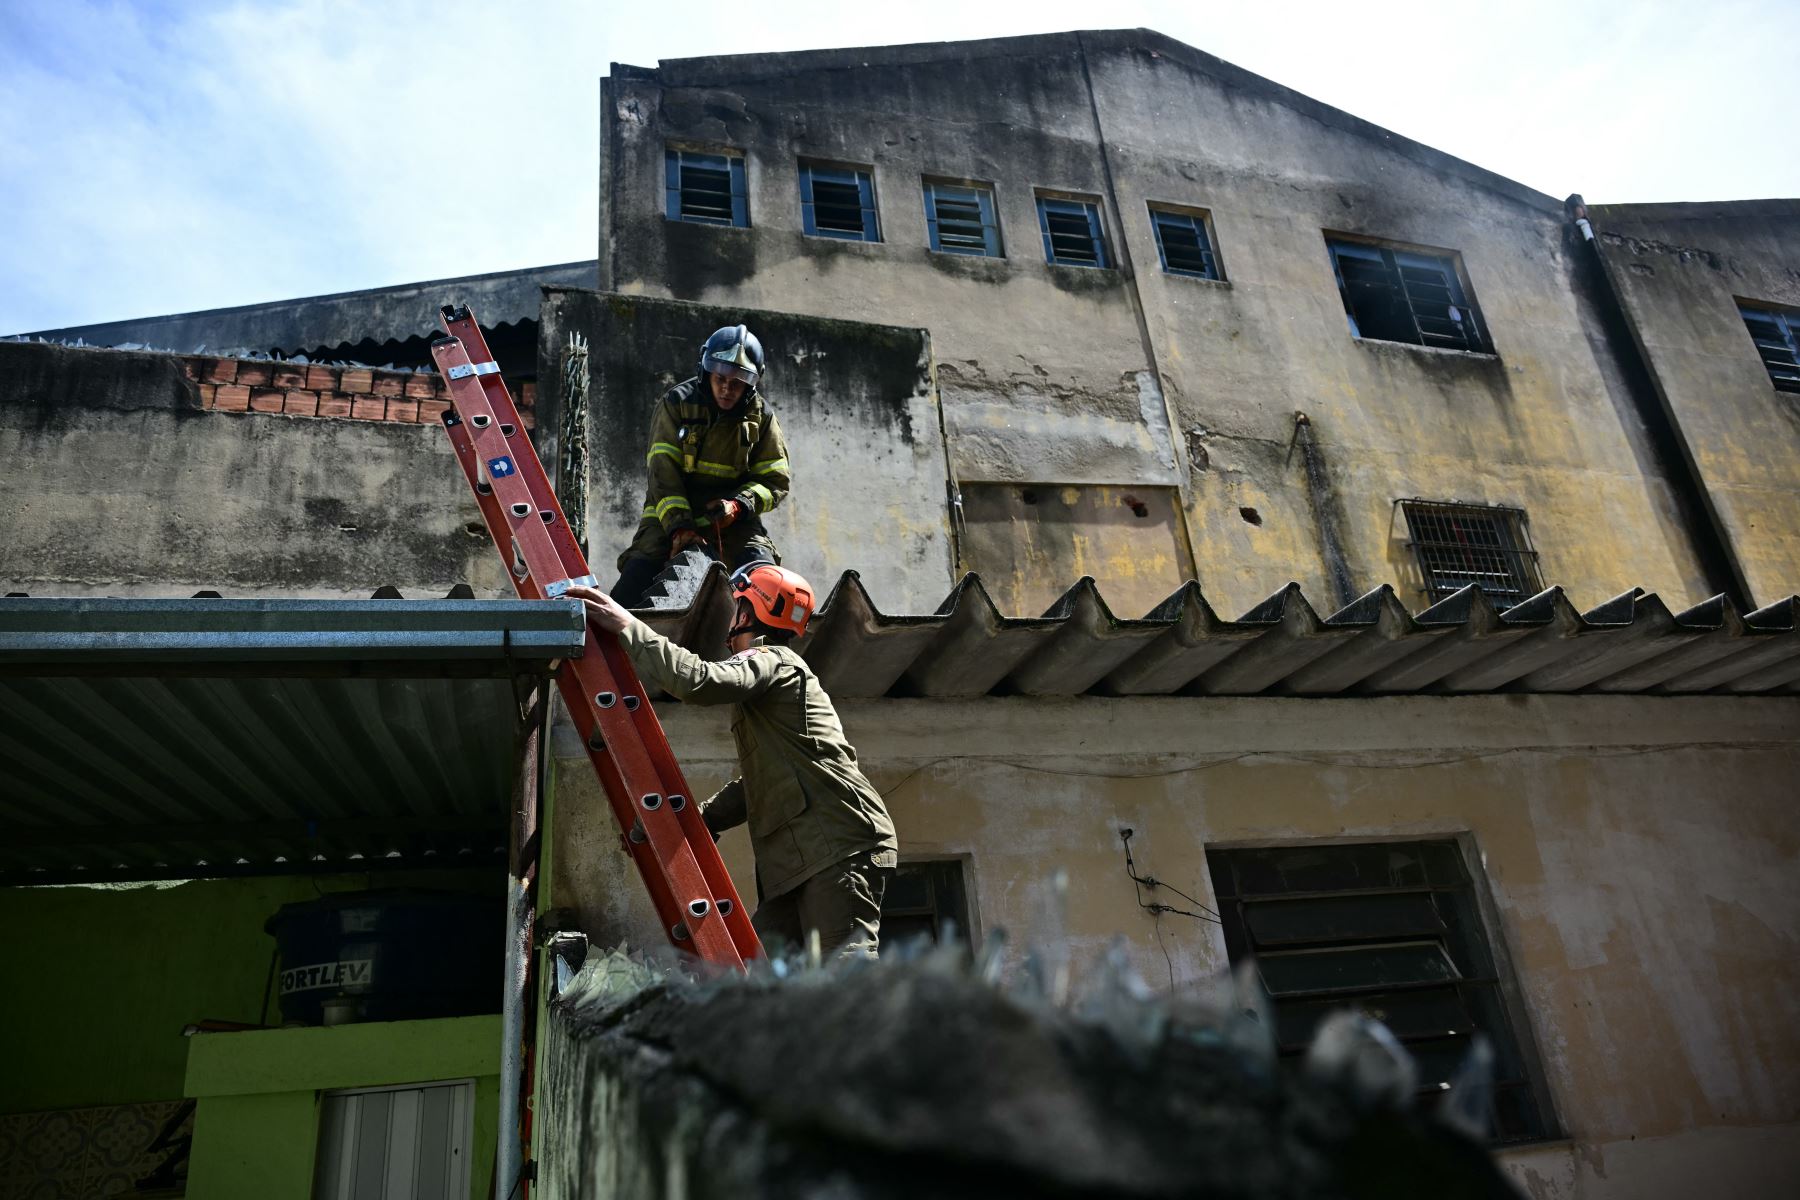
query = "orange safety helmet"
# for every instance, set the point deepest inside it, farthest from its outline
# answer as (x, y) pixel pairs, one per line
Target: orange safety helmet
(778, 598)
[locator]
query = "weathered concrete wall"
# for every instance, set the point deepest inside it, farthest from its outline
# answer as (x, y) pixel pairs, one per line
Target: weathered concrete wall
(1046, 373)
(856, 405)
(1642, 856)
(1042, 368)
(1680, 270)
(122, 485)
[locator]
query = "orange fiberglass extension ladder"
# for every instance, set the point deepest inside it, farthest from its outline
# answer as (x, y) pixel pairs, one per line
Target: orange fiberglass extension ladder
(663, 831)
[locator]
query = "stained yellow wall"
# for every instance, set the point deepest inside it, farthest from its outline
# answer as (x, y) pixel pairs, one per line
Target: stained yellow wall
(1642, 856)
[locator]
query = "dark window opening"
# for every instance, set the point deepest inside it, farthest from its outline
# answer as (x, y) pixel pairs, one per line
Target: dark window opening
(1777, 338)
(1184, 245)
(1391, 929)
(705, 188)
(921, 897)
(961, 220)
(838, 202)
(1071, 230)
(1457, 545)
(1405, 296)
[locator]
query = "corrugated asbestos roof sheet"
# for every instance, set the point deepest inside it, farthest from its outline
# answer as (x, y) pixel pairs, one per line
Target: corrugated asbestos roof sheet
(144, 739)
(1281, 647)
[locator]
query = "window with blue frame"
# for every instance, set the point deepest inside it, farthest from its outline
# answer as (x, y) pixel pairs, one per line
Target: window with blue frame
(1393, 295)
(1071, 230)
(1777, 338)
(838, 202)
(1184, 243)
(960, 219)
(705, 188)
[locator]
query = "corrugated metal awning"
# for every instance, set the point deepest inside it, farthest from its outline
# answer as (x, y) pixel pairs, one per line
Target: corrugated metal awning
(1282, 647)
(146, 739)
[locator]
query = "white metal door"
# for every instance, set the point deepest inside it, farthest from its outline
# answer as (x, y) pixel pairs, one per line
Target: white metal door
(395, 1143)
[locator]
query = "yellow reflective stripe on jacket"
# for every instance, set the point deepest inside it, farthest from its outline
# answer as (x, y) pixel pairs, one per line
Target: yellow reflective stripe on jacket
(668, 505)
(717, 470)
(656, 448)
(765, 499)
(764, 468)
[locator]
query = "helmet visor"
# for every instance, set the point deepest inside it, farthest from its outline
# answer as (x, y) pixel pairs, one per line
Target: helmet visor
(729, 370)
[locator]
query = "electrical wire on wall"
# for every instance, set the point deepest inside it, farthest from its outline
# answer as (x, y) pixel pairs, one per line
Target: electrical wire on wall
(1157, 908)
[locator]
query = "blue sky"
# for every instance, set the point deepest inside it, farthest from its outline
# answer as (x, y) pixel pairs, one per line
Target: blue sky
(164, 157)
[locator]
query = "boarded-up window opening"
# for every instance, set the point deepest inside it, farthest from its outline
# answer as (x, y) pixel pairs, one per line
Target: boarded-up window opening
(838, 202)
(1777, 338)
(960, 219)
(1071, 230)
(705, 188)
(1457, 545)
(1406, 296)
(1392, 929)
(1184, 243)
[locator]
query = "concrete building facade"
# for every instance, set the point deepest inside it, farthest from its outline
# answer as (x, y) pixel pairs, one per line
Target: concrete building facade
(1135, 454)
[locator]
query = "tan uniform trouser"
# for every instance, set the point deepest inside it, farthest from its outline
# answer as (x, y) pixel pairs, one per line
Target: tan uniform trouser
(842, 902)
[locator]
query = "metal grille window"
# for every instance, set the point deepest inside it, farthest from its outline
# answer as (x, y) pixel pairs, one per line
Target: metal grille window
(1777, 338)
(1406, 296)
(1071, 230)
(838, 202)
(920, 897)
(1460, 544)
(705, 188)
(960, 219)
(1183, 242)
(1392, 929)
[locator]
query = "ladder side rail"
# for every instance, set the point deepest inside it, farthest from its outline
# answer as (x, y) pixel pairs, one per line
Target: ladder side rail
(461, 324)
(718, 877)
(638, 772)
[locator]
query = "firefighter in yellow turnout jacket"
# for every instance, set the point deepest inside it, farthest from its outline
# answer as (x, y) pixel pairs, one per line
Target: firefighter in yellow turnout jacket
(824, 844)
(716, 457)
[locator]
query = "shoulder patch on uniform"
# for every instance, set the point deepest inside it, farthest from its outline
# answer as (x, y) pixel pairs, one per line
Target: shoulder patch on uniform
(741, 655)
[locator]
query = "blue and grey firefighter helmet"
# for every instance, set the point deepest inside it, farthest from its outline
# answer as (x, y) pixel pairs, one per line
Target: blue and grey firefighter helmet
(734, 353)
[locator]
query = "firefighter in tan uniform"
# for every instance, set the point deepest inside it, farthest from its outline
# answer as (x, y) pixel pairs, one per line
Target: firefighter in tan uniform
(717, 459)
(825, 847)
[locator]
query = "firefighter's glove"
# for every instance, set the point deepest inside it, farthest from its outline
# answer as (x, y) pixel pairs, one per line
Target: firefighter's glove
(724, 512)
(681, 539)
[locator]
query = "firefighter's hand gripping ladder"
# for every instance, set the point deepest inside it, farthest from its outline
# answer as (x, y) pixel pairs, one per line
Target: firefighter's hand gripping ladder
(664, 833)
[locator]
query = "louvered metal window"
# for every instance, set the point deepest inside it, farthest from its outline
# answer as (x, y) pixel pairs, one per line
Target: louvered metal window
(1184, 243)
(705, 188)
(838, 202)
(1406, 296)
(1461, 544)
(1777, 337)
(1071, 230)
(1392, 929)
(960, 219)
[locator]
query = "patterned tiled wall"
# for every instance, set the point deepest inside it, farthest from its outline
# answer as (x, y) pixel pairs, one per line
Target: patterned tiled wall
(81, 1153)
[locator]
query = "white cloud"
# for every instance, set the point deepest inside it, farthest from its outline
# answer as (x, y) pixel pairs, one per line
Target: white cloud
(162, 157)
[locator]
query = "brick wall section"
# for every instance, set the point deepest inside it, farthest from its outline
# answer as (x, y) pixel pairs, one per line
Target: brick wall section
(344, 393)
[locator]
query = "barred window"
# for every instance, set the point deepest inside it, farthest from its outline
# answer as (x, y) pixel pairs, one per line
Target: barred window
(1392, 929)
(1071, 230)
(960, 219)
(1456, 545)
(1776, 335)
(1393, 295)
(1184, 242)
(838, 202)
(705, 188)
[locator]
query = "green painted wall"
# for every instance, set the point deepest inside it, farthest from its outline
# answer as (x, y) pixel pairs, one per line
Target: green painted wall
(256, 1129)
(102, 979)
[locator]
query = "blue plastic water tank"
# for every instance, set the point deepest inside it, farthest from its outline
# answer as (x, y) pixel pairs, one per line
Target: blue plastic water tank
(401, 953)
